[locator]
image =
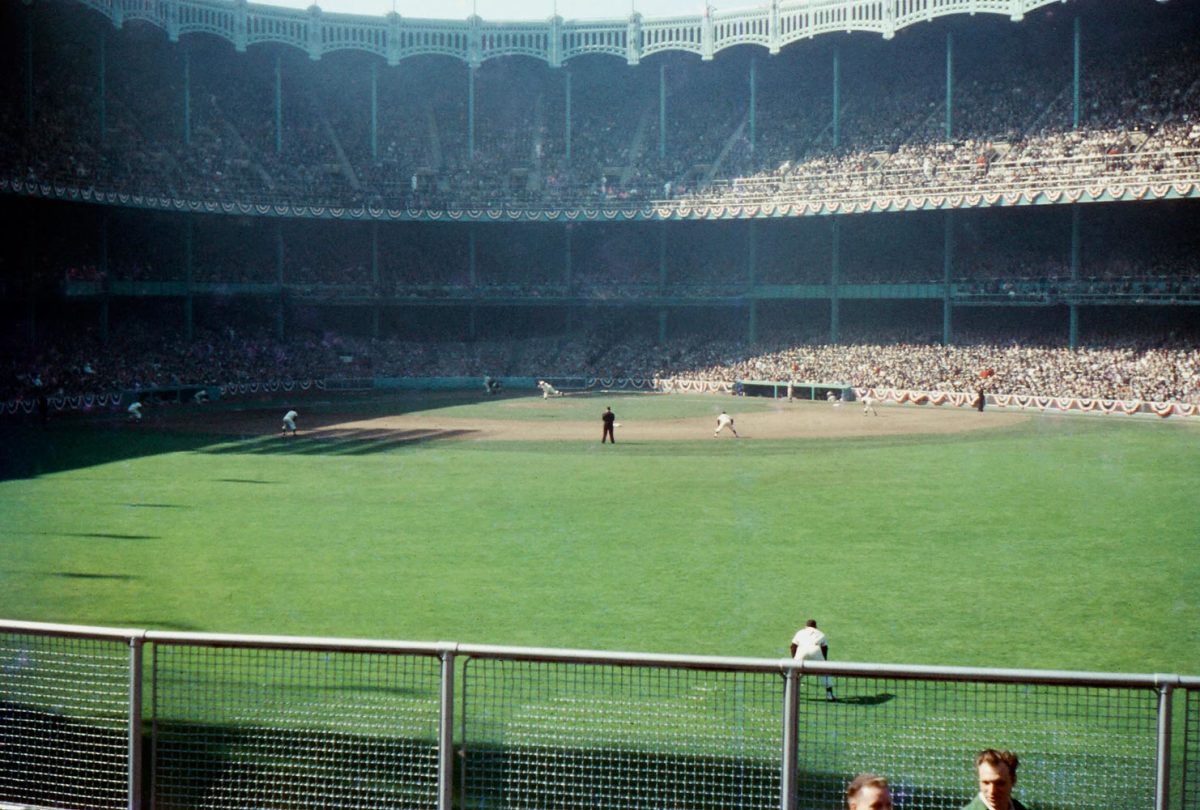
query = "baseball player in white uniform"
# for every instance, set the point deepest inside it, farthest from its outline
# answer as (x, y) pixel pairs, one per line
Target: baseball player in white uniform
(548, 390)
(289, 422)
(810, 644)
(725, 421)
(135, 411)
(869, 405)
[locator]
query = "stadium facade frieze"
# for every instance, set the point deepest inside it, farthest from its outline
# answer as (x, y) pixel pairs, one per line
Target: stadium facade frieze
(773, 26)
(674, 210)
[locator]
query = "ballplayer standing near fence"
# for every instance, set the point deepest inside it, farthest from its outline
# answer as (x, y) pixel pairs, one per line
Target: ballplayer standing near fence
(810, 644)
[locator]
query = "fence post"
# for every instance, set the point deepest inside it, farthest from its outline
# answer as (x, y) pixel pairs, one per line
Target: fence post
(135, 722)
(1162, 775)
(791, 720)
(446, 733)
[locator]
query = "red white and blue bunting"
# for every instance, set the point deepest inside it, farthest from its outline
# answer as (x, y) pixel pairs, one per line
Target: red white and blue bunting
(683, 210)
(1129, 407)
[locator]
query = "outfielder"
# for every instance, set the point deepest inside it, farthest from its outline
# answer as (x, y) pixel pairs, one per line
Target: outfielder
(810, 644)
(725, 421)
(289, 422)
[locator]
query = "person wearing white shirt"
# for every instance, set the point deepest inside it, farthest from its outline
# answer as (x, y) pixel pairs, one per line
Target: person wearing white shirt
(810, 644)
(289, 422)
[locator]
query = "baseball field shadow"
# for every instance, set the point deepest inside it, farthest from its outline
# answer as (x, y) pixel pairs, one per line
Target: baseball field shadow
(101, 535)
(337, 441)
(868, 700)
(85, 575)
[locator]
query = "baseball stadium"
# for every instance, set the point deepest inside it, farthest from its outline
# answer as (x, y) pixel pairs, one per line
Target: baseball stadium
(456, 413)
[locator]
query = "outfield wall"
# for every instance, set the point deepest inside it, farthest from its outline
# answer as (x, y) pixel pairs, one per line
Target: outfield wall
(108, 718)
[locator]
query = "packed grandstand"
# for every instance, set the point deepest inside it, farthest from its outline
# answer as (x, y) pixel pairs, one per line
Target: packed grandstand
(214, 246)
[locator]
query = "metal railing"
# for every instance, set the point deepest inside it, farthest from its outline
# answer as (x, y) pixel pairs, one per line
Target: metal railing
(257, 721)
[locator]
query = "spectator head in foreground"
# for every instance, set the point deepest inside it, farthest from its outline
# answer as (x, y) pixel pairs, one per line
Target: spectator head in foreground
(869, 791)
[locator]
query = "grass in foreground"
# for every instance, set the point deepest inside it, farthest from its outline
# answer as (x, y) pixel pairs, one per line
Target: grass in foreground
(1064, 543)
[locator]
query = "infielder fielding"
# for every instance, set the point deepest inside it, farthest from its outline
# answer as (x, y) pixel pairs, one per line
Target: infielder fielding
(725, 421)
(289, 422)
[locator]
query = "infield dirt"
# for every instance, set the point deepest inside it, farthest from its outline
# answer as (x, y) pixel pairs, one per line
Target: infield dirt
(782, 421)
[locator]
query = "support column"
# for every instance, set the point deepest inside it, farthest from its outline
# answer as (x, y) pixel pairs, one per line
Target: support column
(31, 252)
(662, 112)
(472, 330)
(375, 111)
(29, 71)
(278, 105)
(187, 95)
(101, 90)
(1073, 335)
(752, 253)
(471, 113)
(662, 256)
(949, 85)
(567, 263)
(188, 313)
(1077, 72)
(837, 97)
(375, 279)
(947, 276)
(753, 104)
(280, 306)
(752, 326)
(102, 266)
(567, 115)
(471, 255)
(835, 276)
(662, 326)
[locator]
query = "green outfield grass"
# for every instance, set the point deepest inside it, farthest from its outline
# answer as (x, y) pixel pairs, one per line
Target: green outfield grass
(1062, 542)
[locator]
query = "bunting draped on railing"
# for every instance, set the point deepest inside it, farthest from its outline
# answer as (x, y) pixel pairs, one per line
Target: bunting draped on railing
(676, 386)
(1129, 407)
(634, 383)
(270, 387)
(634, 211)
(80, 402)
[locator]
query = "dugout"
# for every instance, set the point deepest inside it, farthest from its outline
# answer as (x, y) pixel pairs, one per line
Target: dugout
(800, 390)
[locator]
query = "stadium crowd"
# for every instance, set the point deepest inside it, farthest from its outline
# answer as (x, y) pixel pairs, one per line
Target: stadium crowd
(138, 358)
(1012, 125)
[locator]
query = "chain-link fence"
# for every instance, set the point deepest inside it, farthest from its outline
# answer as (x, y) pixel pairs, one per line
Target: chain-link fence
(258, 722)
(1073, 741)
(238, 727)
(64, 720)
(1189, 798)
(583, 735)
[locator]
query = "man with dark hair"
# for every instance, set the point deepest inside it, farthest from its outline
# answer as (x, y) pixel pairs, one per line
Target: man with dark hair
(997, 776)
(869, 791)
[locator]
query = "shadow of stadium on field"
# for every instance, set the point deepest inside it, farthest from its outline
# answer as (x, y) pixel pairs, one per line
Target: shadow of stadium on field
(335, 441)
